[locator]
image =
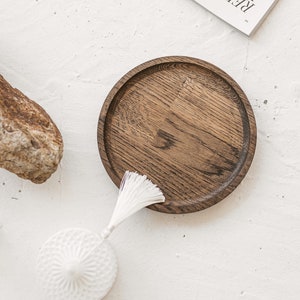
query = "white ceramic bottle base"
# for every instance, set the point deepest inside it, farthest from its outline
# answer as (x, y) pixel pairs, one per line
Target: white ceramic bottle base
(76, 264)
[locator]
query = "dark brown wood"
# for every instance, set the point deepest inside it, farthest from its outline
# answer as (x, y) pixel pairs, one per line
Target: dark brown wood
(184, 123)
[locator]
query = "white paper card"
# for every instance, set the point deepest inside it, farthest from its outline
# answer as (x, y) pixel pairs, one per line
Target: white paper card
(245, 15)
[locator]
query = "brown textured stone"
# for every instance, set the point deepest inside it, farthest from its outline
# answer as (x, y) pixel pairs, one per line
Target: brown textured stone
(31, 145)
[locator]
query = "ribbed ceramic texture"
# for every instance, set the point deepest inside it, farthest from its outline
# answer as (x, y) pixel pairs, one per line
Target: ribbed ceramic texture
(76, 264)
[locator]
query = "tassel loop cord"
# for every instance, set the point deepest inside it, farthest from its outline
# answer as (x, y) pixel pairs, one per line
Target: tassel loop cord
(106, 232)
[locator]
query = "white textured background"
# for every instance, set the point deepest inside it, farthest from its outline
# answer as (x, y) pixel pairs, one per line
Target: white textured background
(67, 55)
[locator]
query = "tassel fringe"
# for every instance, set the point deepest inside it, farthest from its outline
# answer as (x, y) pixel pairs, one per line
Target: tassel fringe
(136, 192)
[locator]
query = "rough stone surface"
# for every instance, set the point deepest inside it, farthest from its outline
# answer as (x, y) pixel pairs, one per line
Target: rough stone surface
(31, 146)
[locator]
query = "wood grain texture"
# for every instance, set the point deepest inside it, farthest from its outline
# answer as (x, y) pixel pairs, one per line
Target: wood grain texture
(184, 123)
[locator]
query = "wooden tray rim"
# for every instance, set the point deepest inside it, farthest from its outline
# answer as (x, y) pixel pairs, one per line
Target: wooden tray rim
(188, 60)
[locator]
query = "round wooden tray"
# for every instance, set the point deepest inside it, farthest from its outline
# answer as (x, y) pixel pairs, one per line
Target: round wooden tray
(185, 124)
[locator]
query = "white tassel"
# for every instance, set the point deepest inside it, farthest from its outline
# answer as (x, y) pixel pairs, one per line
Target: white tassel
(136, 192)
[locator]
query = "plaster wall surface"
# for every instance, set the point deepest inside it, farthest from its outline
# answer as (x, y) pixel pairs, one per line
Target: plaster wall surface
(67, 55)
